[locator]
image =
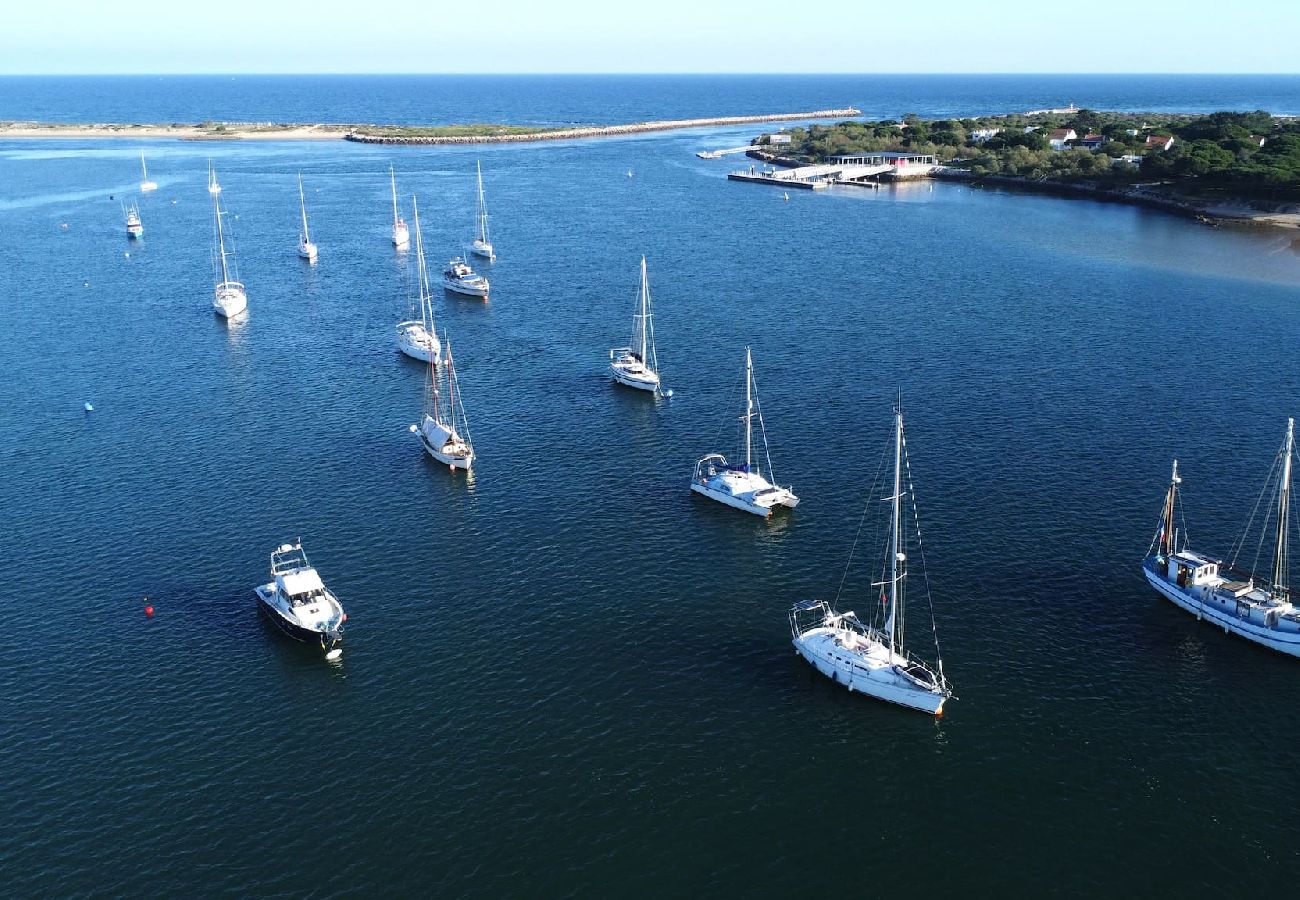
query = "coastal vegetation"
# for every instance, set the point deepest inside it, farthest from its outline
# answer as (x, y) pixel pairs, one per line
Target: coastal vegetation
(1249, 156)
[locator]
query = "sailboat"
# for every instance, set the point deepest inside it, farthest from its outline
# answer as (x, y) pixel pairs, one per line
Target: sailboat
(482, 245)
(1258, 608)
(744, 486)
(860, 655)
(417, 337)
(229, 298)
(401, 234)
(636, 365)
(213, 187)
(306, 249)
(134, 227)
(444, 431)
(145, 184)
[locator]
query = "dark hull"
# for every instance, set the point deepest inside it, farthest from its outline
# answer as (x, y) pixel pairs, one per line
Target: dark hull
(292, 629)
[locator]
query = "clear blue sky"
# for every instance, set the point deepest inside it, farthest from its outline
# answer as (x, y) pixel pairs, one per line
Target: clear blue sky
(186, 36)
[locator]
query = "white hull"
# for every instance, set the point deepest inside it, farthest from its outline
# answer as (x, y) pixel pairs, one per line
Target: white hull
(483, 250)
(744, 490)
(401, 237)
(763, 507)
(416, 342)
(644, 380)
(229, 302)
(466, 290)
(454, 460)
(1283, 642)
(307, 251)
(873, 671)
(147, 186)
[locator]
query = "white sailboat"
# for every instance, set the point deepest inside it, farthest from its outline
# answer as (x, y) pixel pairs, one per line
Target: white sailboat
(743, 486)
(134, 227)
(213, 186)
(229, 299)
(401, 234)
(417, 337)
(482, 245)
(1259, 608)
(306, 249)
(637, 365)
(145, 184)
(444, 430)
(860, 655)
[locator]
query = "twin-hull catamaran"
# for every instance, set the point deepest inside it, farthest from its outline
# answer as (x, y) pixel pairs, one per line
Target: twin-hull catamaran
(401, 234)
(417, 337)
(1260, 609)
(743, 486)
(229, 299)
(860, 655)
(637, 365)
(444, 430)
(306, 249)
(298, 602)
(482, 245)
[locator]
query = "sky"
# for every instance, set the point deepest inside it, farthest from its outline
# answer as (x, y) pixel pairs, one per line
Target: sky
(525, 36)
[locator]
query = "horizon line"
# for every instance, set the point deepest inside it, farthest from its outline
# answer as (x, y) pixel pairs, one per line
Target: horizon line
(685, 74)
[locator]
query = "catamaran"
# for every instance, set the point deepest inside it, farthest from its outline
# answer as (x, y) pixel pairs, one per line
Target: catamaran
(298, 602)
(401, 234)
(637, 365)
(417, 337)
(743, 486)
(865, 656)
(306, 249)
(213, 186)
(1258, 608)
(482, 245)
(459, 278)
(134, 227)
(229, 298)
(444, 430)
(145, 184)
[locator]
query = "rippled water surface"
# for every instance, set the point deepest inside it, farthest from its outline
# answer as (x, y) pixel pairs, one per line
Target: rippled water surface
(568, 675)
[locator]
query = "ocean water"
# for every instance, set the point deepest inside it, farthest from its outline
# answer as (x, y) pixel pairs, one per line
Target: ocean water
(568, 676)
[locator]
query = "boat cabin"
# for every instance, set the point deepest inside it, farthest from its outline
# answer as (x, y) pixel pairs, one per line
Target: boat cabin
(301, 587)
(1191, 569)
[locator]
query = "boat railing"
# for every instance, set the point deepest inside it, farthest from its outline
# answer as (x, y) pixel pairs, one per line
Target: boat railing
(231, 285)
(288, 559)
(712, 463)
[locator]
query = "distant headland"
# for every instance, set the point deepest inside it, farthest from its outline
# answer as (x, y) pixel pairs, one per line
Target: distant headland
(383, 134)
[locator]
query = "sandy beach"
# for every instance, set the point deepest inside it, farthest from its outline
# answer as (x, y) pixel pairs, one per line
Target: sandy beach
(224, 132)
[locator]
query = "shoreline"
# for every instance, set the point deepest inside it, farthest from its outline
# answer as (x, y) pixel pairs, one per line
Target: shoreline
(268, 131)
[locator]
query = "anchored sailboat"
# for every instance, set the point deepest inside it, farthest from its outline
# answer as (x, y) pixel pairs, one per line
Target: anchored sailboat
(1260, 609)
(401, 234)
(860, 655)
(417, 337)
(213, 186)
(229, 298)
(306, 249)
(636, 365)
(145, 184)
(444, 431)
(482, 243)
(743, 487)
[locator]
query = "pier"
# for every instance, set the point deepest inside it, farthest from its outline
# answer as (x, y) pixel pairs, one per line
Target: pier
(861, 170)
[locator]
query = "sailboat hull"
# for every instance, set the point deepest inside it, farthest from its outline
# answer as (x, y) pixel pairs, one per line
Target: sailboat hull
(457, 461)
(745, 491)
(483, 250)
(643, 380)
(414, 340)
(1203, 603)
(876, 672)
(229, 301)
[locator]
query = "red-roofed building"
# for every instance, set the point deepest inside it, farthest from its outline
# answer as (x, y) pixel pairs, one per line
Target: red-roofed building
(1159, 141)
(1058, 138)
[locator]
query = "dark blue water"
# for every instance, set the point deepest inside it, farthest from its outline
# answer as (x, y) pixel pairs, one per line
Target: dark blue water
(569, 676)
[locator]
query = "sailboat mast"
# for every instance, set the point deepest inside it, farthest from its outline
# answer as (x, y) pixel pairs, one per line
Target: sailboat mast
(749, 410)
(302, 200)
(895, 537)
(144, 170)
(422, 270)
(1280, 567)
(221, 239)
(645, 303)
(393, 177)
(482, 207)
(1167, 532)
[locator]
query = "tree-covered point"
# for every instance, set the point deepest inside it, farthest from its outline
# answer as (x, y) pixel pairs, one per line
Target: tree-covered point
(1217, 153)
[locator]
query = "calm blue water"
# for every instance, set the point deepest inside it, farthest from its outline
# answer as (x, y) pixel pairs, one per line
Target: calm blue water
(570, 677)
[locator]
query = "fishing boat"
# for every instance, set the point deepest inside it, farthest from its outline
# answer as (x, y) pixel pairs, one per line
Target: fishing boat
(482, 245)
(298, 602)
(637, 365)
(417, 337)
(213, 186)
(229, 299)
(743, 486)
(1227, 592)
(306, 249)
(459, 278)
(870, 656)
(444, 430)
(134, 227)
(401, 234)
(145, 184)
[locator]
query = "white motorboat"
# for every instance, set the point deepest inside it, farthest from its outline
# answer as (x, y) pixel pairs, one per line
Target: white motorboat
(459, 278)
(401, 234)
(134, 227)
(229, 299)
(743, 486)
(417, 338)
(637, 365)
(145, 184)
(482, 245)
(1260, 608)
(444, 430)
(306, 249)
(869, 656)
(298, 602)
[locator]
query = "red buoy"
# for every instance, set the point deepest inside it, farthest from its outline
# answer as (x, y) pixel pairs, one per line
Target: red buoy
(148, 611)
